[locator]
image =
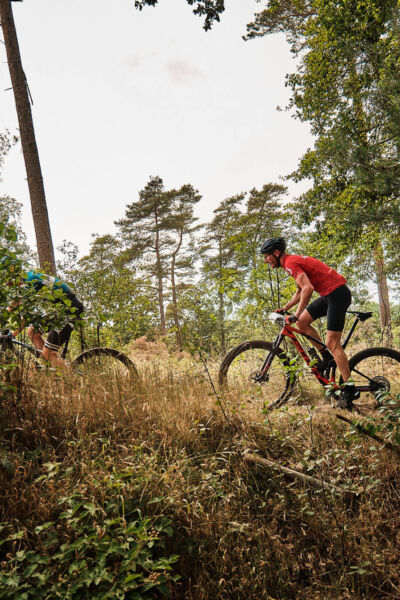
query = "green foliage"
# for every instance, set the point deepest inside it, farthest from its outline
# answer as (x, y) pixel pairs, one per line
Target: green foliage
(10, 210)
(390, 413)
(10, 216)
(165, 450)
(21, 305)
(93, 550)
(181, 223)
(241, 288)
(200, 324)
(6, 142)
(118, 305)
(156, 236)
(210, 9)
(219, 269)
(45, 308)
(261, 288)
(345, 87)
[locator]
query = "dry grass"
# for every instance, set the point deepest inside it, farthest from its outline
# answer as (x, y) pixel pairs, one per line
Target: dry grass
(240, 532)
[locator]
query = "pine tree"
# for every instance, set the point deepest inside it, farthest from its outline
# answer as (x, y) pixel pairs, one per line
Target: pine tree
(219, 268)
(181, 223)
(348, 55)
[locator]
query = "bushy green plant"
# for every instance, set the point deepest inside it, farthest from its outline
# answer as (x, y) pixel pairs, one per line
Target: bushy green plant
(21, 303)
(95, 549)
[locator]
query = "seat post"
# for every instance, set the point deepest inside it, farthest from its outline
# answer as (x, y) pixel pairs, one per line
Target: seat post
(350, 332)
(65, 349)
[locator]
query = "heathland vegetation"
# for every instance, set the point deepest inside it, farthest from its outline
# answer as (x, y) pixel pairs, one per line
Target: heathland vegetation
(111, 490)
(114, 489)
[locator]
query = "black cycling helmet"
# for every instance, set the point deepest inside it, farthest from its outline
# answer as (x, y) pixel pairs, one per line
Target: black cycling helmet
(269, 246)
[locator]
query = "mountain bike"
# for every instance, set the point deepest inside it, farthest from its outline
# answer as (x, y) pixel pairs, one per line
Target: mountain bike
(94, 362)
(375, 371)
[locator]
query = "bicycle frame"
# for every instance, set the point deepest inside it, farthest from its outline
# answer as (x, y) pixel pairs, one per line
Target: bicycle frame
(37, 352)
(289, 331)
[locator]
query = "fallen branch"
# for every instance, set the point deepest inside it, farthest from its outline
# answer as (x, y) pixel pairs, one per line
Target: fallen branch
(292, 474)
(375, 437)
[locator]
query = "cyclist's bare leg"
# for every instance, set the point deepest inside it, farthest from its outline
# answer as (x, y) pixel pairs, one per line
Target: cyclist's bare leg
(36, 338)
(55, 360)
(333, 341)
(304, 325)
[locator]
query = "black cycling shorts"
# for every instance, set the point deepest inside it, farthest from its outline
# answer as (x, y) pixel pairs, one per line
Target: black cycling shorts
(334, 306)
(57, 337)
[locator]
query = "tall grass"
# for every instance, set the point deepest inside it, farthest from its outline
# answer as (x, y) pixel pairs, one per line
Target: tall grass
(161, 457)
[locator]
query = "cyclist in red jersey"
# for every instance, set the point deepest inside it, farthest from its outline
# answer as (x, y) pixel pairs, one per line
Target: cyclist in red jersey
(312, 275)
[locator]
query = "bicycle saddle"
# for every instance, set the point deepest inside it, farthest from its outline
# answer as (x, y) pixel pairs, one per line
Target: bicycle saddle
(363, 316)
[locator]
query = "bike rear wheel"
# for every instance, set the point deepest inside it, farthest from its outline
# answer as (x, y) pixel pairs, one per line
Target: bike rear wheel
(380, 368)
(243, 363)
(104, 362)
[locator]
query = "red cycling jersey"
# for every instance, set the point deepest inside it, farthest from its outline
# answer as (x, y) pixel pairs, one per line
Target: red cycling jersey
(324, 279)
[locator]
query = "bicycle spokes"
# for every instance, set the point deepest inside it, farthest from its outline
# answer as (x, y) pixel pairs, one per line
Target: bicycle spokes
(378, 376)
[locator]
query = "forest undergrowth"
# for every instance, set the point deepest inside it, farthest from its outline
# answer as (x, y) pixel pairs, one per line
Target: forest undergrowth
(114, 490)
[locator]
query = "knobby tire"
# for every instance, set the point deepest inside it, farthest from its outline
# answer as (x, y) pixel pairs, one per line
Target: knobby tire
(288, 383)
(359, 363)
(92, 353)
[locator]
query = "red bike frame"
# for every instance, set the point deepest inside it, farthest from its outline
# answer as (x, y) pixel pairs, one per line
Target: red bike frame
(289, 331)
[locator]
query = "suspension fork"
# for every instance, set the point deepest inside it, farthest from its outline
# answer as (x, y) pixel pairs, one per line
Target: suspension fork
(271, 355)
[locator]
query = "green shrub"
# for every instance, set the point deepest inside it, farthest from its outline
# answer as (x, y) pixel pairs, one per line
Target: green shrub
(95, 549)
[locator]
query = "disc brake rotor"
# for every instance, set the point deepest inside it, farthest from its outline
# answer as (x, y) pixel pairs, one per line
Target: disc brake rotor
(255, 376)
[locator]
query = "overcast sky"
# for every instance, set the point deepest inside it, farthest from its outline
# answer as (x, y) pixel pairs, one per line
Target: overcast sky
(120, 95)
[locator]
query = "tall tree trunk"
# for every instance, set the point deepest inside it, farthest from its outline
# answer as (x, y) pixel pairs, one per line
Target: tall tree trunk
(221, 307)
(160, 279)
(381, 279)
(221, 319)
(383, 295)
(28, 141)
(174, 295)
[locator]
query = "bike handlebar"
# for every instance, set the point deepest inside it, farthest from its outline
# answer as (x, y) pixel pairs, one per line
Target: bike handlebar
(290, 317)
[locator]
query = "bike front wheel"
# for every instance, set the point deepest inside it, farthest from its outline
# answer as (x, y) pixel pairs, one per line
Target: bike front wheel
(378, 368)
(104, 362)
(241, 366)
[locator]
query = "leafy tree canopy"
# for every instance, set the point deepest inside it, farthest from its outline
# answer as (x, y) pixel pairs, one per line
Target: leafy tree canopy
(210, 9)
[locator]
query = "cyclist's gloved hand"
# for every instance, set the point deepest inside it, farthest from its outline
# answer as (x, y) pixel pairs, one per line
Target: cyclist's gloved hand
(280, 311)
(291, 319)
